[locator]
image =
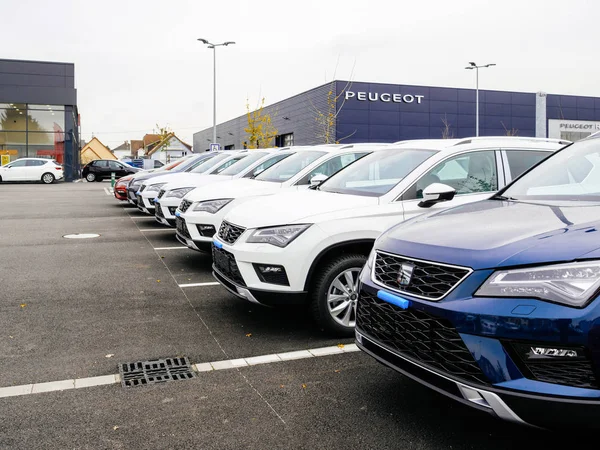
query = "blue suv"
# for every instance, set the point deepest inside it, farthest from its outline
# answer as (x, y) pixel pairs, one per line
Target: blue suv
(496, 303)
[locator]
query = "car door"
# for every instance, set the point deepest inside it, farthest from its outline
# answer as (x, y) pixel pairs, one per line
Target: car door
(101, 169)
(474, 175)
(117, 168)
(331, 166)
(15, 171)
(34, 169)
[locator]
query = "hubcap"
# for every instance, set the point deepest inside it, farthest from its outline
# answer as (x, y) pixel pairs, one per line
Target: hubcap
(90, 177)
(47, 178)
(342, 296)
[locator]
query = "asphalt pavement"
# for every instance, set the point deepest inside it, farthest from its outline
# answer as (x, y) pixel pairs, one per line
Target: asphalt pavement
(76, 308)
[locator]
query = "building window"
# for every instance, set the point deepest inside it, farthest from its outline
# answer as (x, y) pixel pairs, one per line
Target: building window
(284, 140)
(230, 147)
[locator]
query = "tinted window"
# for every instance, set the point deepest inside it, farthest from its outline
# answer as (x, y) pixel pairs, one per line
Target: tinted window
(266, 164)
(205, 164)
(377, 173)
(290, 166)
(115, 165)
(101, 164)
(331, 166)
(467, 173)
(240, 165)
(227, 164)
(20, 163)
(521, 160)
(571, 174)
(34, 163)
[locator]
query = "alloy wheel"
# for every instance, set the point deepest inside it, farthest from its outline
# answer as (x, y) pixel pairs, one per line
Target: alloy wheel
(342, 296)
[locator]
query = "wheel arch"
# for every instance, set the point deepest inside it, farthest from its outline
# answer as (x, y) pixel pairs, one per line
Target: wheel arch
(363, 246)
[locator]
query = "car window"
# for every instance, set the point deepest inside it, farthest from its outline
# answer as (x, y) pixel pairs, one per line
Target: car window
(332, 166)
(377, 173)
(244, 163)
(205, 164)
(290, 166)
(466, 173)
(266, 164)
(34, 163)
(227, 164)
(521, 160)
(101, 164)
(113, 165)
(21, 163)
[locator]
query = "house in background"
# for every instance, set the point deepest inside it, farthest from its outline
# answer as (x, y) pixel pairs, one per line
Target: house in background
(95, 150)
(169, 149)
(129, 149)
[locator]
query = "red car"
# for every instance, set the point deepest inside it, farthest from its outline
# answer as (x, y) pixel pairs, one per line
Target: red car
(121, 187)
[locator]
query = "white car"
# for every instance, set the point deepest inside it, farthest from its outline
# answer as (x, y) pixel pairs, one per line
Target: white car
(309, 247)
(150, 188)
(202, 210)
(170, 195)
(32, 169)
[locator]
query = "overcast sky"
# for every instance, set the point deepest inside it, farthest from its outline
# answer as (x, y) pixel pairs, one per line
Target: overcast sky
(137, 62)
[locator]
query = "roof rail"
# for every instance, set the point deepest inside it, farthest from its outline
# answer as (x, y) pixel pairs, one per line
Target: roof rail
(513, 138)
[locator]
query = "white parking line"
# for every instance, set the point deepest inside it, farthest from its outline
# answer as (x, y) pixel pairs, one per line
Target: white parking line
(170, 248)
(212, 283)
(108, 191)
(79, 383)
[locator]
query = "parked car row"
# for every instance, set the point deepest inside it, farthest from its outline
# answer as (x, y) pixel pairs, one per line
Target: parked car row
(445, 269)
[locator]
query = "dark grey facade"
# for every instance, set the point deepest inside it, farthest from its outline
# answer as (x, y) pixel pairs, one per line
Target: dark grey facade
(38, 112)
(376, 112)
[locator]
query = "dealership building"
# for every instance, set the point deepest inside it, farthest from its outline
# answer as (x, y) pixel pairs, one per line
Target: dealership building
(375, 112)
(38, 113)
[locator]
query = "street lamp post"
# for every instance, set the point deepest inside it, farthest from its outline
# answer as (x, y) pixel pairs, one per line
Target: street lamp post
(472, 66)
(214, 49)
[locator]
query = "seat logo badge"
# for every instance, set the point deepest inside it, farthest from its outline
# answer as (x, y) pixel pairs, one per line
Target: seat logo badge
(405, 274)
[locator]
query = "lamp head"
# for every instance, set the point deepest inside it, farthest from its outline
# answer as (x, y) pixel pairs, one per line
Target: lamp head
(228, 43)
(204, 41)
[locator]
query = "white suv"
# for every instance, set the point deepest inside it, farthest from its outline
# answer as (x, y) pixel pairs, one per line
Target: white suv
(201, 211)
(309, 247)
(170, 195)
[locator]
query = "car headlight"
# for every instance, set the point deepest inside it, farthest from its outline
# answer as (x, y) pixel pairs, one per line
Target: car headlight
(212, 206)
(155, 187)
(179, 193)
(280, 236)
(572, 284)
(136, 184)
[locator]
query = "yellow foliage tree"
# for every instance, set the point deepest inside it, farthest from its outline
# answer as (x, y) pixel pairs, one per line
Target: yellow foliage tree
(260, 131)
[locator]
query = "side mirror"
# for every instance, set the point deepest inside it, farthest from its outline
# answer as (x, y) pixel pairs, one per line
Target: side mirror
(318, 179)
(437, 193)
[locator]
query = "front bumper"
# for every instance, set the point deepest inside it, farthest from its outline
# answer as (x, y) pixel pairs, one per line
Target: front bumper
(164, 210)
(464, 347)
(121, 193)
(145, 202)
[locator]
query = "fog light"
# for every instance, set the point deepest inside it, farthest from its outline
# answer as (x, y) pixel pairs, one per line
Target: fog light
(206, 230)
(272, 274)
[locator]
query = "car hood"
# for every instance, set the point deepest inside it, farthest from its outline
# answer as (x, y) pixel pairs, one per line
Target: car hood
(290, 207)
(495, 233)
(193, 180)
(237, 188)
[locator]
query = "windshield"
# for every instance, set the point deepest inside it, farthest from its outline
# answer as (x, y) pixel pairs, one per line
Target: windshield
(570, 174)
(376, 174)
(290, 166)
(205, 164)
(250, 159)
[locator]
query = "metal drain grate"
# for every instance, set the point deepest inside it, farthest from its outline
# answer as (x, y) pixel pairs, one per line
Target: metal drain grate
(155, 371)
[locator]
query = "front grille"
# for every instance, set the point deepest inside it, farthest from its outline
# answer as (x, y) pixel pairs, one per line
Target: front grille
(161, 193)
(419, 336)
(428, 280)
(185, 205)
(224, 262)
(182, 228)
(158, 212)
(229, 232)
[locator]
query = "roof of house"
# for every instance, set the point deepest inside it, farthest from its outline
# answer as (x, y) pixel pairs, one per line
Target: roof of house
(162, 143)
(95, 149)
(124, 146)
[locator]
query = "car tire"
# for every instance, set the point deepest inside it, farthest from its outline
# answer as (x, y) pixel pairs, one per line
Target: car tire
(48, 178)
(90, 177)
(327, 295)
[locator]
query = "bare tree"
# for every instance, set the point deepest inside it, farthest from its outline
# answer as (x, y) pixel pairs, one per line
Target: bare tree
(447, 132)
(326, 119)
(511, 132)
